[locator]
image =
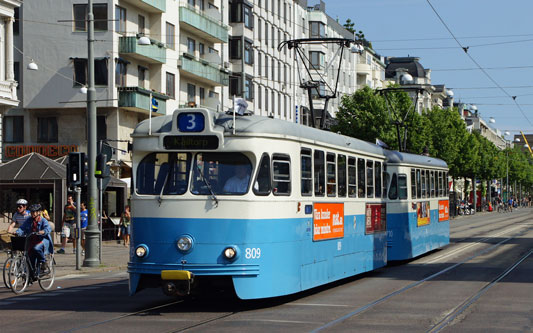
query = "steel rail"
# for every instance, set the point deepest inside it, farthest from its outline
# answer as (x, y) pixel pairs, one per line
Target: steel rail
(411, 286)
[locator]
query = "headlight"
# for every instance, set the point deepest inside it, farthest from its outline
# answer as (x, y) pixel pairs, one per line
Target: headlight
(184, 243)
(230, 253)
(141, 251)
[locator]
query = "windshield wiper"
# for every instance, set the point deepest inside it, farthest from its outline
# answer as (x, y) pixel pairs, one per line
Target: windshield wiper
(213, 196)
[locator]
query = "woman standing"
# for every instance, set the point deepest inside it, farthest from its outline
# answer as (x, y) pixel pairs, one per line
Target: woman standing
(125, 220)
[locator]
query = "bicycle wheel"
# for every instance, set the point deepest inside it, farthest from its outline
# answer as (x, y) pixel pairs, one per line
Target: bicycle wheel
(46, 279)
(7, 265)
(19, 275)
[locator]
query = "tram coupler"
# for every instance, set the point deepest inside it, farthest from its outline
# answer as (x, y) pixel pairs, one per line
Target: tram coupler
(177, 283)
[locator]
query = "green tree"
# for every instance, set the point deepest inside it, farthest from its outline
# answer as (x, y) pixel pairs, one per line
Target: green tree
(360, 35)
(368, 116)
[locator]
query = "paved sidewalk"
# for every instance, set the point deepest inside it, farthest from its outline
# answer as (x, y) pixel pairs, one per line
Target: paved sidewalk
(114, 258)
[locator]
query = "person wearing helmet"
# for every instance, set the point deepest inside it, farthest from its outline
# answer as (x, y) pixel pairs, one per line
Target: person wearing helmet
(41, 244)
(20, 215)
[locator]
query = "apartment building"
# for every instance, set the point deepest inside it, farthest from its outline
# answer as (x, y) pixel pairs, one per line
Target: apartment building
(181, 64)
(9, 9)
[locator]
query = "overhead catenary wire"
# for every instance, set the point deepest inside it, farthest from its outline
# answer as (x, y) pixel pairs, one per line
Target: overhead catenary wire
(465, 49)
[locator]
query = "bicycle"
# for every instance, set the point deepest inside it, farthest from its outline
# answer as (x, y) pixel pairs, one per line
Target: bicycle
(12, 256)
(22, 272)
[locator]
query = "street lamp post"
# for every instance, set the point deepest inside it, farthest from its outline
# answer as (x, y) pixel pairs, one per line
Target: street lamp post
(92, 233)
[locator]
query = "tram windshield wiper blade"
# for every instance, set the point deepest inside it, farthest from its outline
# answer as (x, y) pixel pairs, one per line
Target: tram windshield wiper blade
(213, 196)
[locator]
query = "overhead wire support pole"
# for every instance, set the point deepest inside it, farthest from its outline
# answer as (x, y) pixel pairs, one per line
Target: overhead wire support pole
(92, 232)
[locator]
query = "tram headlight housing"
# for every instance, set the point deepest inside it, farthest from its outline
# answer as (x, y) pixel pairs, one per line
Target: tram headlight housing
(141, 251)
(230, 253)
(184, 243)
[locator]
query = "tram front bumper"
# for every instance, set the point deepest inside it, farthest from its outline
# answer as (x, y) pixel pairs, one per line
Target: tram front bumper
(177, 282)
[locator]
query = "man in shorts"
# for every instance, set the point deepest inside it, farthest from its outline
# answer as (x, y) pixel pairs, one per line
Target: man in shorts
(19, 216)
(69, 224)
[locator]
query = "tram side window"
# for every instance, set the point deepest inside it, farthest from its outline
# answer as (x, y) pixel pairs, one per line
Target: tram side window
(438, 188)
(441, 184)
(446, 184)
(393, 188)
(332, 181)
(370, 179)
(361, 182)
(402, 187)
(418, 184)
(163, 173)
(423, 180)
(427, 184)
(306, 172)
(262, 180)
(319, 173)
(377, 174)
(386, 179)
(352, 178)
(341, 175)
(281, 175)
(413, 184)
(221, 173)
(432, 184)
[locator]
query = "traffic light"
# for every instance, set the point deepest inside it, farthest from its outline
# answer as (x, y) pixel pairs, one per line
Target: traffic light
(76, 169)
(101, 169)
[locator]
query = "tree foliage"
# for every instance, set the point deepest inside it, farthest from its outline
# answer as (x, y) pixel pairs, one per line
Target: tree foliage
(368, 116)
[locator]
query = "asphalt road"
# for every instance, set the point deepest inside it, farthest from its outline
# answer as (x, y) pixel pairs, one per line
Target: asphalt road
(481, 282)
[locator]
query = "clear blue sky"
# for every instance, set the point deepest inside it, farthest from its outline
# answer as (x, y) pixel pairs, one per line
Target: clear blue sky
(411, 28)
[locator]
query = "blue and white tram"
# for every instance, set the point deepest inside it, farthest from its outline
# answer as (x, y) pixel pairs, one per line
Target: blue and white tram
(267, 206)
(417, 206)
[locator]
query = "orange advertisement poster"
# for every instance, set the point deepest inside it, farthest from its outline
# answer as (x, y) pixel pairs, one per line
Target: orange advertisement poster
(422, 213)
(328, 221)
(444, 210)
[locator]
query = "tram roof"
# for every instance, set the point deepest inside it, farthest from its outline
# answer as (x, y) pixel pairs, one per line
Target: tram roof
(396, 157)
(249, 125)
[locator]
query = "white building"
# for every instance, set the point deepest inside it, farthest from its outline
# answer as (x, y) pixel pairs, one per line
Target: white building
(194, 58)
(181, 65)
(8, 78)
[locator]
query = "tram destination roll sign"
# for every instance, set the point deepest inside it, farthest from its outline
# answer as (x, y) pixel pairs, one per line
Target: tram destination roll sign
(190, 142)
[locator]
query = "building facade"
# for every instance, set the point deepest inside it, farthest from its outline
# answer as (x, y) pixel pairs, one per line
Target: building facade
(153, 56)
(180, 65)
(9, 9)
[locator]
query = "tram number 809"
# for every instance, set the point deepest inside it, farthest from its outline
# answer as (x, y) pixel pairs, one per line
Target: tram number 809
(252, 253)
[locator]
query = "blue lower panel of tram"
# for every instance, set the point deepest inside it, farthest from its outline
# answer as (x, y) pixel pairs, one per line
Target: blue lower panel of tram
(275, 257)
(406, 239)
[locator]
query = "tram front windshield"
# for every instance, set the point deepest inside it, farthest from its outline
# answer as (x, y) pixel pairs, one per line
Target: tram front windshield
(212, 173)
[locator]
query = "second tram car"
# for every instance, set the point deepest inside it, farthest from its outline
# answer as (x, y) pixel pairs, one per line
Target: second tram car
(261, 205)
(417, 206)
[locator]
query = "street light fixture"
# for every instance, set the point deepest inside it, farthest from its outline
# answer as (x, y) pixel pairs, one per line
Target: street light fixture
(492, 120)
(32, 66)
(83, 90)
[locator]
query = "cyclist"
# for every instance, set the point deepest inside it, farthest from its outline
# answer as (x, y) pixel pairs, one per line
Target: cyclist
(41, 245)
(20, 215)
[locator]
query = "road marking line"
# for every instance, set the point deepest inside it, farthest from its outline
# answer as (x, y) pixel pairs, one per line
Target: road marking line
(315, 304)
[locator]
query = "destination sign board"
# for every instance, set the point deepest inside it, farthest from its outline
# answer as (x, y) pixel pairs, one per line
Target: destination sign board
(190, 142)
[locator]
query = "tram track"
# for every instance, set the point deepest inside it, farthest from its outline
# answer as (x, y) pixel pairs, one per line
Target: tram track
(453, 314)
(458, 309)
(120, 317)
(461, 308)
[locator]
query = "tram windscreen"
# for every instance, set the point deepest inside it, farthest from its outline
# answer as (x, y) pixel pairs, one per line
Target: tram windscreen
(163, 174)
(225, 173)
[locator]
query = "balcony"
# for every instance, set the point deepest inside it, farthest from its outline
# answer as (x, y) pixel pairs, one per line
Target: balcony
(203, 25)
(202, 71)
(151, 6)
(8, 93)
(138, 99)
(153, 54)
